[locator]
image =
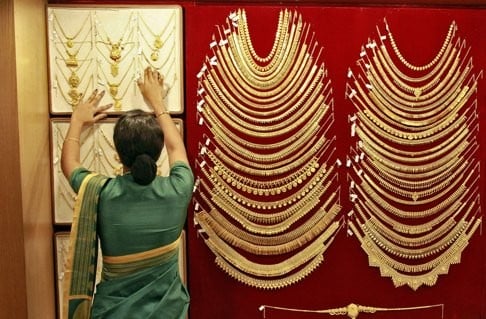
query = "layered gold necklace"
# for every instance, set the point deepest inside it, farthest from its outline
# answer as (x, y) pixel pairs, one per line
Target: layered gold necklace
(414, 178)
(267, 200)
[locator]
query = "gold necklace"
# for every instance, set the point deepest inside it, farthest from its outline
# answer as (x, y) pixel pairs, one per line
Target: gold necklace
(447, 40)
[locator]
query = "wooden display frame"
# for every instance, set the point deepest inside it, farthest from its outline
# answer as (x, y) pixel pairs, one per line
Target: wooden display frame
(97, 154)
(107, 48)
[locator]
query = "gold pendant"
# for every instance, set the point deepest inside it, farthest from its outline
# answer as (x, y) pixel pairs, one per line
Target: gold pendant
(158, 43)
(118, 105)
(75, 96)
(417, 92)
(116, 51)
(71, 61)
(113, 89)
(154, 56)
(70, 43)
(74, 80)
(114, 69)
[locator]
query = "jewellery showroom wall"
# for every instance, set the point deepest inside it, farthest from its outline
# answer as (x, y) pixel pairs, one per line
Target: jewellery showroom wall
(337, 152)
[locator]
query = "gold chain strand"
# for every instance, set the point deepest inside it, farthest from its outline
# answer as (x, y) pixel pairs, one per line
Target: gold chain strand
(425, 77)
(352, 310)
(434, 215)
(243, 95)
(269, 283)
(382, 258)
(445, 221)
(266, 283)
(415, 254)
(245, 38)
(269, 82)
(386, 157)
(232, 140)
(398, 100)
(429, 104)
(221, 249)
(271, 229)
(409, 118)
(113, 88)
(232, 239)
(270, 95)
(280, 98)
(257, 73)
(408, 121)
(433, 107)
(276, 156)
(399, 234)
(308, 109)
(414, 92)
(289, 204)
(440, 126)
(416, 171)
(439, 120)
(460, 141)
(248, 110)
(313, 225)
(213, 229)
(369, 184)
(316, 144)
(371, 196)
(459, 123)
(237, 40)
(414, 184)
(416, 195)
(428, 246)
(288, 180)
(426, 103)
(158, 42)
(384, 70)
(394, 45)
(390, 65)
(281, 41)
(284, 164)
(70, 38)
(416, 280)
(72, 61)
(310, 106)
(319, 113)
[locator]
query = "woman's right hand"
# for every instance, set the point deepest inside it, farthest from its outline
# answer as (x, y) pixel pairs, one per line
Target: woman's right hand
(151, 86)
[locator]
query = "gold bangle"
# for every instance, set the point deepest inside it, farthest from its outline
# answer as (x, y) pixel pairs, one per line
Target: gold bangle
(74, 139)
(162, 113)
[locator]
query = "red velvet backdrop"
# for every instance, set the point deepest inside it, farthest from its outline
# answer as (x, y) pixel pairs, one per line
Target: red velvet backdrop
(344, 277)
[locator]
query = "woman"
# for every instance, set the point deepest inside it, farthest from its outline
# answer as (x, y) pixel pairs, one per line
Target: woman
(138, 216)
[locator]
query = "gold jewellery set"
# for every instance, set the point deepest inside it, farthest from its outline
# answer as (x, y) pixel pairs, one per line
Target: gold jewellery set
(91, 51)
(414, 172)
(266, 200)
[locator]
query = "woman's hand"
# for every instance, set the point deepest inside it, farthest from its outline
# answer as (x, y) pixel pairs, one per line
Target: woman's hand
(151, 86)
(89, 111)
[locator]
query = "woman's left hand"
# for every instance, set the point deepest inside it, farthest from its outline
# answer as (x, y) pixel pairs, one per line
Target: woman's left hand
(89, 111)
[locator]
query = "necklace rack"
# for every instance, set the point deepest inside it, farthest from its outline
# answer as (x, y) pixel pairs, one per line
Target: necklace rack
(263, 168)
(414, 180)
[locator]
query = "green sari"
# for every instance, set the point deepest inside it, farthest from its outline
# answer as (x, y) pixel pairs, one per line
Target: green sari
(139, 229)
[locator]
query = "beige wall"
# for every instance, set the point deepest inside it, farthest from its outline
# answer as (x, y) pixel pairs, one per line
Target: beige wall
(26, 260)
(33, 112)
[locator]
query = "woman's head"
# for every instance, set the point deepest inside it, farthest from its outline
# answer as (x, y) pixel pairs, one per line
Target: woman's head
(139, 141)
